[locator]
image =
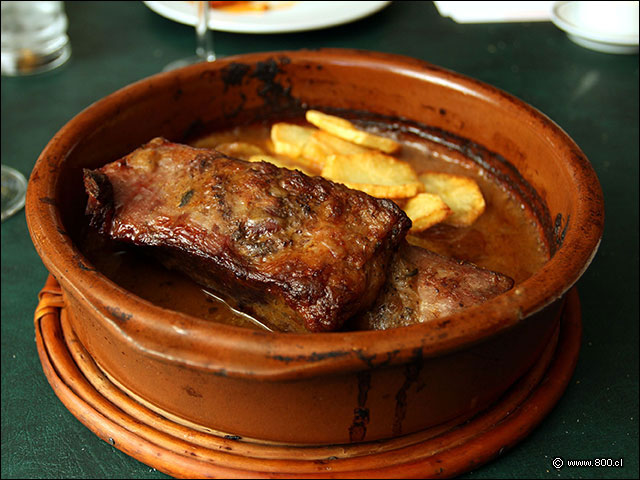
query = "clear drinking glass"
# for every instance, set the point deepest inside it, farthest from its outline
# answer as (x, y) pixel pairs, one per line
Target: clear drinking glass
(34, 40)
(204, 40)
(14, 188)
(34, 37)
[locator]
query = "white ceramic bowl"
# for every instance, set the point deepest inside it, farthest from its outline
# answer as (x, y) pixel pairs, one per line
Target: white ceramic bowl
(610, 27)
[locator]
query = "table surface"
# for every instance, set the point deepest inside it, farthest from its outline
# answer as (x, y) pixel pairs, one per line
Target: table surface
(592, 96)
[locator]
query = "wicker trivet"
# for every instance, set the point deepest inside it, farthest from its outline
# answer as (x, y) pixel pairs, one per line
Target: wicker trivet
(171, 446)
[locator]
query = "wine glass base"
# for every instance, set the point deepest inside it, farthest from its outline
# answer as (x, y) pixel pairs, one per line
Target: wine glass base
(184, 62)
(14, 189)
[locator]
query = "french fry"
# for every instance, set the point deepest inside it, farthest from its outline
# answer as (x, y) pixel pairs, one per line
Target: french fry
(425, 210)
(322, 144)
(344, 129)
(461, 194)
(268, 143)
(289, 139)
(279, 163)
(242, 150)
(216, 138)
(375, 173)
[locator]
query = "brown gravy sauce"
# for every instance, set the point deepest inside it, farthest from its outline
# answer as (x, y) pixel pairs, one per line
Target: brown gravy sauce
(506, 238)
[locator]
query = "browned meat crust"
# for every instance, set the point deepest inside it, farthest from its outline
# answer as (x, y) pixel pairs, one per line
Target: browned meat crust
(300, 253)
(423, 286)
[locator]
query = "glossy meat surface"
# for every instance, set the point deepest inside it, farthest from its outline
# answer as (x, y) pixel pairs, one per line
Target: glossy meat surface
(423, 286)
(300, 253)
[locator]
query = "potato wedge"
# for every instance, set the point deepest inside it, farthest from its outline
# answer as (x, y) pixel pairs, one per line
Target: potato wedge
(241, 150)
(461, 194)
(375, 173)
(344, 129)
(322, 144)
(289, 139)
(279, 163)
(216, 138)
(425, 210)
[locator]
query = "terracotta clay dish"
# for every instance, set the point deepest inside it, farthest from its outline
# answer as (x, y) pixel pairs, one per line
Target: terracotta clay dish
(393, 399)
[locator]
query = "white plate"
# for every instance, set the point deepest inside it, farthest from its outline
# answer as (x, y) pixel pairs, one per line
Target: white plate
(610, 27)
(297, 17)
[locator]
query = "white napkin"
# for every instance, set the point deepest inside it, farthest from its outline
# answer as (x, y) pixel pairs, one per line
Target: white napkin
(488, 12)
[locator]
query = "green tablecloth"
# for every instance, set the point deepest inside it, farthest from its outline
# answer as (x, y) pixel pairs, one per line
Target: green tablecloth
(592, 96)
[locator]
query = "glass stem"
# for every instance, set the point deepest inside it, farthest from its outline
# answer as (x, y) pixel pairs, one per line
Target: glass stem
(204, 38)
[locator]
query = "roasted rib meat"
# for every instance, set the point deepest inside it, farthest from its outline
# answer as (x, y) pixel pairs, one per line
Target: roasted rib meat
(300, 253)
(422, 286)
